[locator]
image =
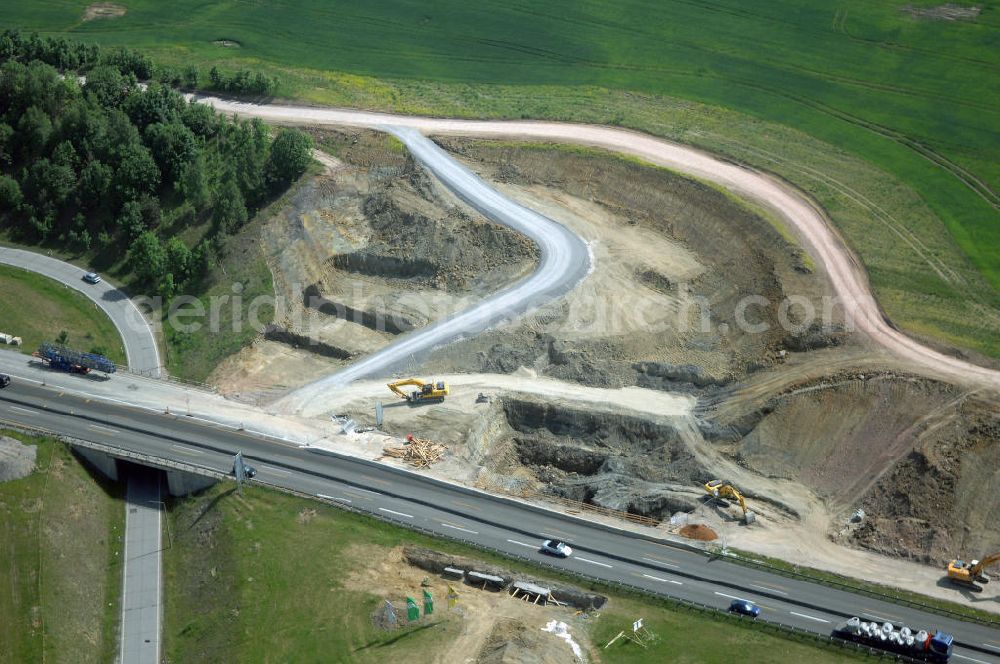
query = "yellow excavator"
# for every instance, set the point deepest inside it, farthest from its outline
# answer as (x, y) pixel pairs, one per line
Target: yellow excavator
(720, 489)
(969, 573)
(428, 392)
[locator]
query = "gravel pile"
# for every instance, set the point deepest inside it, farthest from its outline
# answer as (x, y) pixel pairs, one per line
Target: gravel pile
(16, 459)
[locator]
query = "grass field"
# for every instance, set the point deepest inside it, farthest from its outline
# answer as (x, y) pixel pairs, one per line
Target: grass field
(259, 577)
(884, 117)
(59, 558)
(37, 309)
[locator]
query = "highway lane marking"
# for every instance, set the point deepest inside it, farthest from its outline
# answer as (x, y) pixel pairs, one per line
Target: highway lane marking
(592, 562)
(802, 615)
(276, 471)
(24, 410)
(661, 562)
(465, 505)
(558, 535)
(374, 493)
(530, 546)
(971, 659)
(383, 509)
(656, 578)
(729, 596)
(881, 619)
(454, 527)
(187, 450)
(377, 480)
(992, 647)
(356, 495)
(337, 498)
(769, 589)
(100, 428)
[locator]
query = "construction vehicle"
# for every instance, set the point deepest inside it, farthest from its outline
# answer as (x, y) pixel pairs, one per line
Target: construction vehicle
(721, 489)
(973, 572)
(73, 361)
(428, 392)
(920, 644)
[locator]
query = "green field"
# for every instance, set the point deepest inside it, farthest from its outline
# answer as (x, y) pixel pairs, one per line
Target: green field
(261, 578)
(60, 548)
(54, 308)
(888, 119)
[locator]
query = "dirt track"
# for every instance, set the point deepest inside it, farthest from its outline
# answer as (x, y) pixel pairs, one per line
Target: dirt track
(810, 224)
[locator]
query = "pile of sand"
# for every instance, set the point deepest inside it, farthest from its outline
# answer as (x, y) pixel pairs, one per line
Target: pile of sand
(698, 531)
(17, 460)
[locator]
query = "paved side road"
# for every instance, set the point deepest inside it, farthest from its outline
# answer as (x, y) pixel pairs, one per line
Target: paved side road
(565, 261)
(141, 576)
(141, 351)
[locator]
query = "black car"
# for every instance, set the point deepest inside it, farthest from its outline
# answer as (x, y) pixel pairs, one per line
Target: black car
(744, 607)
(4, 380)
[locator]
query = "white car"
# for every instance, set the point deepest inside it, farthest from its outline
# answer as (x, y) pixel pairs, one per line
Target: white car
(92, 278)
(556, 548)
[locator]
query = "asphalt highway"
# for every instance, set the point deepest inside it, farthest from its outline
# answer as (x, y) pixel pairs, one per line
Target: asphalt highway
(564, 261)
(451, 511)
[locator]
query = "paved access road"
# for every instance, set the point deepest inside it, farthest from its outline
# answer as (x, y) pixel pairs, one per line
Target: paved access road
(142, 578)
(847, 275)
(451, 511)
(565, 260)
(141, 351)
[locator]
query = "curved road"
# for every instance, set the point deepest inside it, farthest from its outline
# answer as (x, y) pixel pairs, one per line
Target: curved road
(141, 351)
(847, 276)
(565, 260)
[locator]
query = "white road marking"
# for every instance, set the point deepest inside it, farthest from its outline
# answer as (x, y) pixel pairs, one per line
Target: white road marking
(592, 562)
(729, 596)
(187, 450)
(337, 498)
(374, 493)
(971, 659)
(770, 590)
(660, 562)
(875, 617)
(992, 647)
(276, 471)
(656, 578)
(530, 546)
(802, 615)
(100, 428)
(382, 509)
(24, 410)
(464, 530)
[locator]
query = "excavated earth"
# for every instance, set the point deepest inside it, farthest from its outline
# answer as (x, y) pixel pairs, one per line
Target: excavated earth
(803, 416)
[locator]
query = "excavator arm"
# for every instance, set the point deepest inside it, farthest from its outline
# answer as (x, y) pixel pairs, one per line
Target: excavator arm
(415, 382)
(977, 569)
(721, 489)
(427, 392)
(970, 573)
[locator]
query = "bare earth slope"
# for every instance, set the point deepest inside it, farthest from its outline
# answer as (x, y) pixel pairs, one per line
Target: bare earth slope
(845, 271)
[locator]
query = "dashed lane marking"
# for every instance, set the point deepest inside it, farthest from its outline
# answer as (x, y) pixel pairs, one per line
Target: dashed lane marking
(592, 562)
(337, 498)
(769, 589)
(465, 505)
(377, 480)
(187, 450)
(276, 471)
(873, 616)
(357, 495)
(530, 546)
(388, 511)
(374, 493)
(454, 527)
(729, 596)
(660, 562)
(808, 617)
(23, 410)
(661, 580)
(98, 427)
(997, 648)
(971, 659)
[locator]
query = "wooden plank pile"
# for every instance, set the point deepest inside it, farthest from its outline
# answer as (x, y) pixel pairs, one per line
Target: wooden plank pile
(418, 452)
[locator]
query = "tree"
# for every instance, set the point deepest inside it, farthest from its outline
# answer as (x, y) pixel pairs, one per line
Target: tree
(190, 77)
(6, 144)
(193, 185)
(137, 173)
(173, 146)
(148, 258)
(230, 210)
(34, 129)
(179, 259)
(95, 181)
(130, 220)
(48, 185)
(108, 86)
(10, 193)
(62, 338)
(291, 154)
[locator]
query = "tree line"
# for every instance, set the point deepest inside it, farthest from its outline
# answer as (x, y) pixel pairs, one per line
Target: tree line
(101, 163)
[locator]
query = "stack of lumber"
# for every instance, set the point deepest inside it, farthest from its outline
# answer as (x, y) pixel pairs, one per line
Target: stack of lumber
(418, 452)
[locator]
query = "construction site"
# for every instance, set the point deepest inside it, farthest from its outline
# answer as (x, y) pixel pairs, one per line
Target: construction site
(639, 394)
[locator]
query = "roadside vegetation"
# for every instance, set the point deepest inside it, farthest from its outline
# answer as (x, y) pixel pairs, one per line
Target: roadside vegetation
(262, 573)
(135, 181)
(54, 313)
(878, 111)
(60, 554)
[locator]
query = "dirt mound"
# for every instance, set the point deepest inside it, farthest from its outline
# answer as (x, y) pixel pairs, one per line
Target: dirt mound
(947, 12)
(698, 531)
(17, 460)
(513, 642)
(103, 10)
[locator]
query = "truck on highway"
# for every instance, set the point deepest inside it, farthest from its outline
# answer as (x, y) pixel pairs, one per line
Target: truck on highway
(918, 644)
(73, 361)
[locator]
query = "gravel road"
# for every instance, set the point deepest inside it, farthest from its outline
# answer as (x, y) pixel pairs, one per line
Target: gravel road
(846, 273)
